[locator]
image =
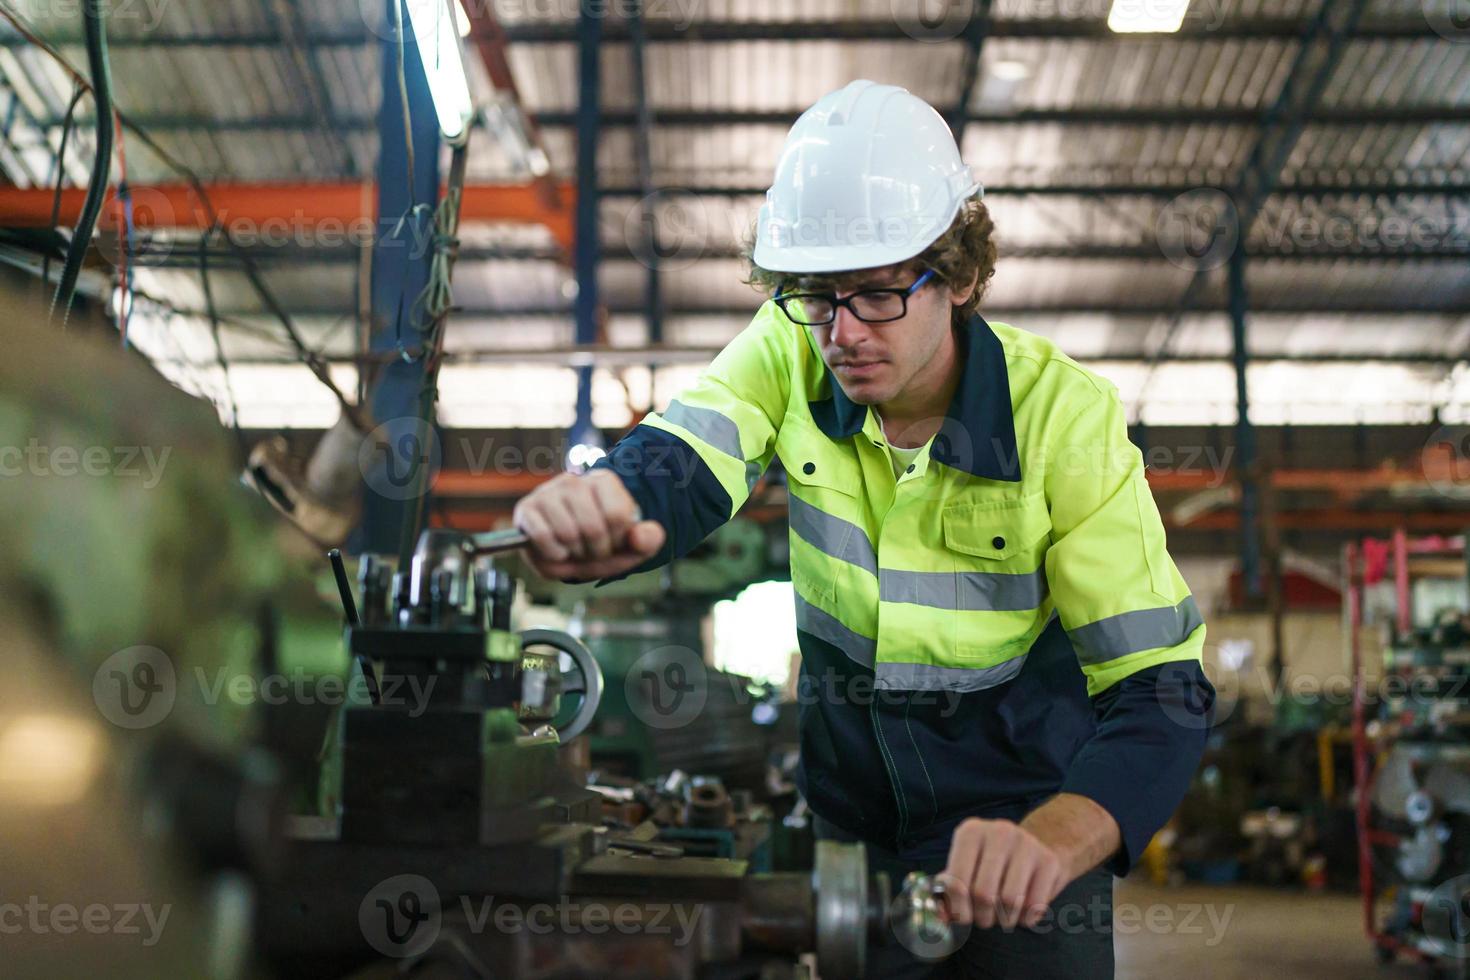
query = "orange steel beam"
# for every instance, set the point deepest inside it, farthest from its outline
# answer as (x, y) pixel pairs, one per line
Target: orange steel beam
(259, 207)
(1337, 480)
(460, 483)
(466, 486)
(1436, 467)
(472, 520)
(471, 485)
(1332, 520)
(464, 483)
(1337, 519)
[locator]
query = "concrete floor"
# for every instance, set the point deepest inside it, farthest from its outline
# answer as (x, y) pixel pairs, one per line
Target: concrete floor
(1200, 932)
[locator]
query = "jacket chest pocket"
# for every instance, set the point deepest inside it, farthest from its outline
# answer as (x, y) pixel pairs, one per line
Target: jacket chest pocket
(998, 553)
(828, 545)
(1003, 535)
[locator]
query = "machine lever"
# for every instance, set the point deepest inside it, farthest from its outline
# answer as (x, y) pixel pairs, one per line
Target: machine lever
(349, 609)
(344, 588)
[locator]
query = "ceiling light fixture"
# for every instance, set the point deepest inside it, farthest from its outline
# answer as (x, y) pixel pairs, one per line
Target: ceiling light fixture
(1010, 71)
(1147, 16)
(433, 25)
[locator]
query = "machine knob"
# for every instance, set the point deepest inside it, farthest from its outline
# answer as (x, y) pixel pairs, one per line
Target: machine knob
(921, 922)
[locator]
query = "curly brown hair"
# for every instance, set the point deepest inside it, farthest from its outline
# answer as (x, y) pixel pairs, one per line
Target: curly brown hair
(964, 254)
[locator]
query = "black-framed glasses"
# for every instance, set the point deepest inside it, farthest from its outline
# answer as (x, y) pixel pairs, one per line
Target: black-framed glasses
(868, 305)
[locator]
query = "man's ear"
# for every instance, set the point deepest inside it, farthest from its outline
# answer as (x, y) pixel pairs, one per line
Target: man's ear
(959, 296)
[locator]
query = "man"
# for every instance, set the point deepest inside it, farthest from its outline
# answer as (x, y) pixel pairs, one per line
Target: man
(1000, 673)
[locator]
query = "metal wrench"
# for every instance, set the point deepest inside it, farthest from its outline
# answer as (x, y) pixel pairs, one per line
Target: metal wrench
(511, 539)
(493, 542)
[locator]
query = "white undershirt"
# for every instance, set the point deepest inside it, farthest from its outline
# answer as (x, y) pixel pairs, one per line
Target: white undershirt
(901, 458)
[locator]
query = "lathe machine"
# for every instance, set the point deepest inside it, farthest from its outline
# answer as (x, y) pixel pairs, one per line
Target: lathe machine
(453, 836)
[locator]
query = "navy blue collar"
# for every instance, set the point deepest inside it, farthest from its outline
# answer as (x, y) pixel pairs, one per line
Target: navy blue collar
(979, 432)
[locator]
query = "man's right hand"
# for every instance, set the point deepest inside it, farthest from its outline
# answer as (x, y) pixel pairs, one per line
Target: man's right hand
(585, 527)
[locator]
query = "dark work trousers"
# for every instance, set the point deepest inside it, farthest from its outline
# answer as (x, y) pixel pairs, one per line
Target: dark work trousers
(1074, 941)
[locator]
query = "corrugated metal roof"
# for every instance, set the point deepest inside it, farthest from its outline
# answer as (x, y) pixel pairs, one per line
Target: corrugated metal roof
(1064, 252)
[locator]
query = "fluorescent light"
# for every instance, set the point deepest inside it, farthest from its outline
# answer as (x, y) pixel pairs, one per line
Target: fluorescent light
(1010, 71)
(1139, 16)
(438, 41)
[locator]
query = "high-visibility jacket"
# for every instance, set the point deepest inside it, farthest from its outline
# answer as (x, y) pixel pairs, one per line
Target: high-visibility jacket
(999, 622)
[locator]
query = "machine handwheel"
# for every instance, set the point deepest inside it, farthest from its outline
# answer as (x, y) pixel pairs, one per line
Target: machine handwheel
(583, 676)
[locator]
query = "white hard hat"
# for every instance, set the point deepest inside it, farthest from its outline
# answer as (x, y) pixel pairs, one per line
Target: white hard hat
(870, 175)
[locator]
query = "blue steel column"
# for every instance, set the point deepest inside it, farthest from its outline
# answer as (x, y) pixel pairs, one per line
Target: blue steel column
(653, 291)
(587, 247)
(1245, 433)
(400, 272)
(1317, 56)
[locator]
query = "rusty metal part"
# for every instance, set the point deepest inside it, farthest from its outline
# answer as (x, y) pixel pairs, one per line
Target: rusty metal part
(777, 911)
(708, 806)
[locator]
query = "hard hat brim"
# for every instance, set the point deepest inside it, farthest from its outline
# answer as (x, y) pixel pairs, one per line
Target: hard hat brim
(819, 259)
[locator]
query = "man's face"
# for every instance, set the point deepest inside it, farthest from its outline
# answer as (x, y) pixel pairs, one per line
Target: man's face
(876, 362)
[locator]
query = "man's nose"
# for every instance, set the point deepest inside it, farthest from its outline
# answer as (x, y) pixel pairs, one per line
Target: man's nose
(847, 329)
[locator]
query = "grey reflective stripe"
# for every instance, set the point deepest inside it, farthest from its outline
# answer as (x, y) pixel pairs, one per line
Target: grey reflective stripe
(967, 591)
(824, 626)
(830, 535)
(718, 430)
(927, 677)
(1134, 632)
